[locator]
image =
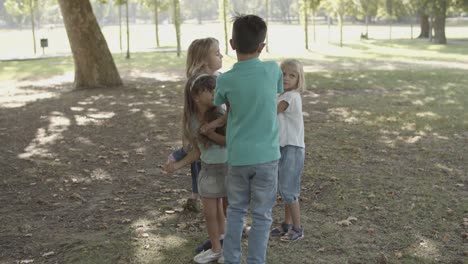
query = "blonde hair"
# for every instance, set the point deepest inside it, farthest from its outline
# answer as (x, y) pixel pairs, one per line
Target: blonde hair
(197, 54)
(295, 66)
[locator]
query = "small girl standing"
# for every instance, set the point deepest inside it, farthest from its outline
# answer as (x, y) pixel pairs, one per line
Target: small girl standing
(292, 146)
(203, 57)
(209, 147)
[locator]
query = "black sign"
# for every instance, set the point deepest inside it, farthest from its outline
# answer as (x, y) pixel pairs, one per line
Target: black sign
(44, 43)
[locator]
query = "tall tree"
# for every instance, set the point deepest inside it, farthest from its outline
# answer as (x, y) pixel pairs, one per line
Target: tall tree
(368, 9)
(439, 8)
(339, 8)
(119, 4)
(128, 29)
(94, 65)
(21, 10)
(177, 23)
(157, 6)
(305, 9)
(223, 11)
(389, 11)
(314, 5)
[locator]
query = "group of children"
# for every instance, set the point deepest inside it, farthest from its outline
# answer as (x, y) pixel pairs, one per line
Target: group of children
(246, 128)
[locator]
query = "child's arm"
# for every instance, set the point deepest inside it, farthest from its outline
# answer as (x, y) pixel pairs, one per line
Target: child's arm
(192, 156)
(219, 122)
(282, 106)
(215, 137)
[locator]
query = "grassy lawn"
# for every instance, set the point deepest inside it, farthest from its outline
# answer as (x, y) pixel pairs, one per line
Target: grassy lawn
(385, 179)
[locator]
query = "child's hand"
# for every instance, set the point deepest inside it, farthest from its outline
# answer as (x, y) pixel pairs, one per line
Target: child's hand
(169, 168)
(206, 129)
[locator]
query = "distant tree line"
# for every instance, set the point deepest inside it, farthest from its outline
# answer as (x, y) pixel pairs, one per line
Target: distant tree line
(97, 68)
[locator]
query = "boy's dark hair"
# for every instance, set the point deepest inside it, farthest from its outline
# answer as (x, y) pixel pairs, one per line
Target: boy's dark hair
(248, 31)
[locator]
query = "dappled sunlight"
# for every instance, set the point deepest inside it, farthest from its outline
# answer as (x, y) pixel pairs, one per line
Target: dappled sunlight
(149, 115)
(12, 96)
(100, 175)
(163, 76)
(350, 116)
(86, 116)
(96, 118)
(47, 136)
(151, 243)
(430, 115)
(425, 249)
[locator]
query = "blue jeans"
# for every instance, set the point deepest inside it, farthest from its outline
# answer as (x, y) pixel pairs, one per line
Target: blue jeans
(195, 167)
(255, 185)
(290, 168)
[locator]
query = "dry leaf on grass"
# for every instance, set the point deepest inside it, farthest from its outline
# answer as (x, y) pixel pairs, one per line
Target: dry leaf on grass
(349, 221)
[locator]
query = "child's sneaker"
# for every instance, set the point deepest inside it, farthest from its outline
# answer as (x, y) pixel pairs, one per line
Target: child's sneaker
(207, 256)
(280, 231)
(206, 245)
(294, 234)
(203, 246)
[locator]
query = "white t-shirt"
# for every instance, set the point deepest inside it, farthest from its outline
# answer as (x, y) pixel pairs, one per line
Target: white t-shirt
(291, 123)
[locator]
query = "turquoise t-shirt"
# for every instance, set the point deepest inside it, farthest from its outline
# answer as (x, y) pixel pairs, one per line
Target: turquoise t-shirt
(251, 87)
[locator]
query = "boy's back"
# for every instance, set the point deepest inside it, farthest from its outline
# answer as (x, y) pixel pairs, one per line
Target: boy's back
(251, 87)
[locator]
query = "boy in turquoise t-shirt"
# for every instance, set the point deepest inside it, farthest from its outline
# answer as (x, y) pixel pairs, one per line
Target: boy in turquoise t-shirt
(250, 89)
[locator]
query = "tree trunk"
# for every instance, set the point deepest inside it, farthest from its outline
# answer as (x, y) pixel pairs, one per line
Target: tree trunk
(313, 25)
(31, 7)
(340, 21)
(306, 26)
(120, 26)
(128, 30)
(94, 65)
(424, 23)
(439, 24)
(177, 22)
(156, 21)
(224, 16)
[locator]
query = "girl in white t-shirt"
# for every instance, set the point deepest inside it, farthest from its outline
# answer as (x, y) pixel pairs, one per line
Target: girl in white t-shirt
(291, 138)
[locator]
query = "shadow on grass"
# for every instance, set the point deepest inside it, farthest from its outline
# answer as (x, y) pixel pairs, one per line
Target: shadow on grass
(82, 172)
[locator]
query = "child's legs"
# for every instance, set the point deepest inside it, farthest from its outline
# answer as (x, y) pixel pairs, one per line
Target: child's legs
(221, 216)
(292, 214)
(238, 192)
(211, 211)
(195, 169)
(263, 186)
(289, 181)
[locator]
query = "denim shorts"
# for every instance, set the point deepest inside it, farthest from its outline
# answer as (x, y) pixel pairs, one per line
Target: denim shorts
(195, 167)
(290, 168)
(212, 180)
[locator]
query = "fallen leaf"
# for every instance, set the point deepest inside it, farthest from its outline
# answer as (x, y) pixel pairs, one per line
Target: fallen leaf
(170, 211)
(50, 253)
(26, 261)
(344, 223)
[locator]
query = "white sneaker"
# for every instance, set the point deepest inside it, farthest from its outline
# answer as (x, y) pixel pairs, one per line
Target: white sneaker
(207, 256)
(221, 260)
